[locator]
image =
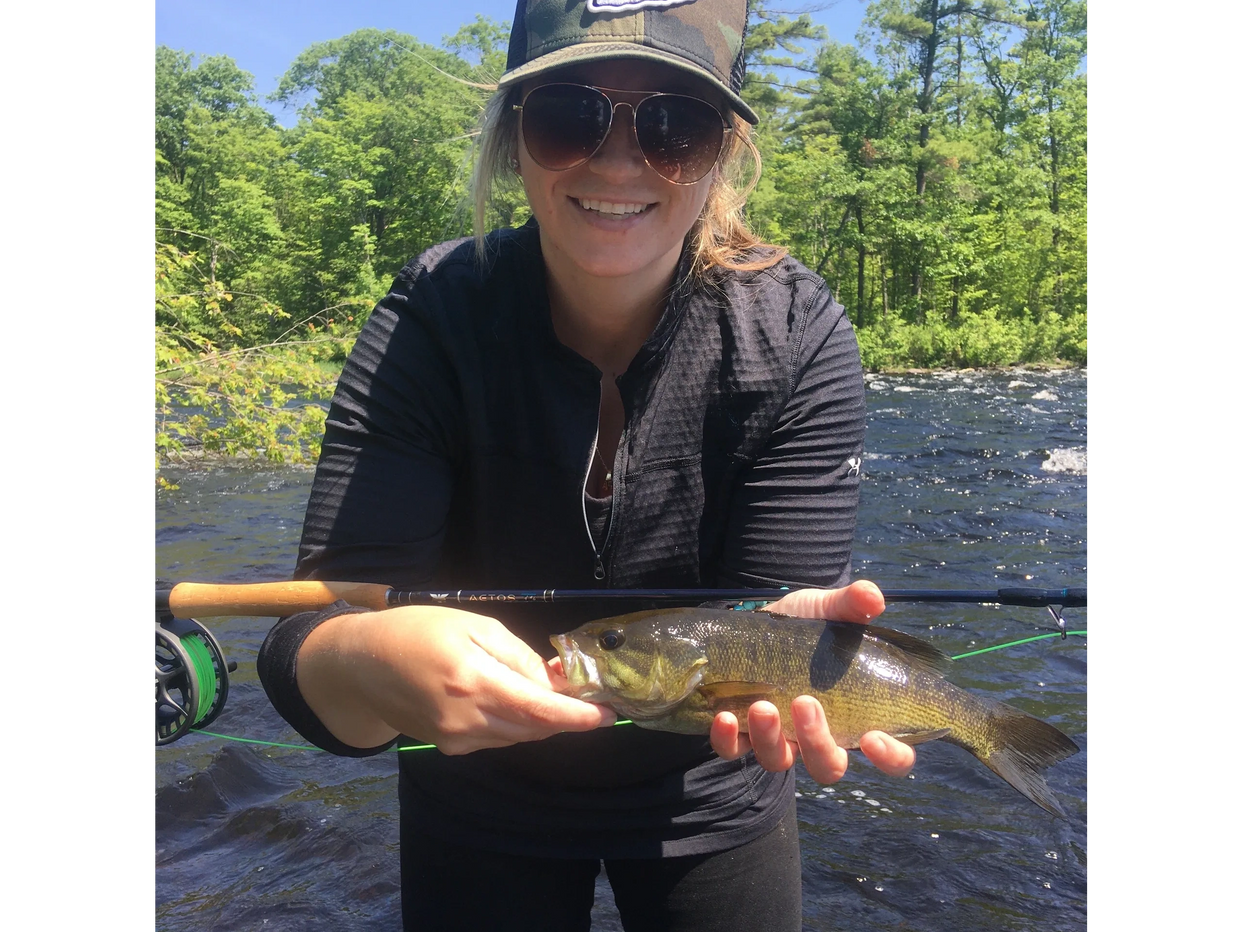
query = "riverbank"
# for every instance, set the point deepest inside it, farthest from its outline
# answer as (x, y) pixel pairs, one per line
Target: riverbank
(973, 341)
(194, 456)
(1054, 365)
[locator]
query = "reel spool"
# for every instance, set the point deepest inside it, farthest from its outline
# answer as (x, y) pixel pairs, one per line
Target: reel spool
(191, 678)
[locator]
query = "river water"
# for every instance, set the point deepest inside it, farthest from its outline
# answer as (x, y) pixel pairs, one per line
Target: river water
(971, 480)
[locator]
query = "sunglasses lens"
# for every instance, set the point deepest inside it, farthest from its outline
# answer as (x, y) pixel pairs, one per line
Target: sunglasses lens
(564, 124)
(681, 137)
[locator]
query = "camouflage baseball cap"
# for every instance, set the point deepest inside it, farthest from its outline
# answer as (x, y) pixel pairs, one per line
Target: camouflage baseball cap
(702, 37)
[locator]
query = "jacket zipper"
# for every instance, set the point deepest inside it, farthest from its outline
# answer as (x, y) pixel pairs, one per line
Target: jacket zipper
(600, 570)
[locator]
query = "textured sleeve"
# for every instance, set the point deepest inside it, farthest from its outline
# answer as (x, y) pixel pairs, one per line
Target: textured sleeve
(277, 669)
(378, 506)
(794, 515)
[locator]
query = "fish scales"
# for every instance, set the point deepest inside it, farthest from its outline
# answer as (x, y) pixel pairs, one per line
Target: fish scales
(675, 669)
(862, 681)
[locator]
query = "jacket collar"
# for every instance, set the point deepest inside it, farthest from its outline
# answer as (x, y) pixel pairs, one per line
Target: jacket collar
(533, 276)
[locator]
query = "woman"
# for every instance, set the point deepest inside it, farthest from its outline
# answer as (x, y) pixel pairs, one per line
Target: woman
(631, 391)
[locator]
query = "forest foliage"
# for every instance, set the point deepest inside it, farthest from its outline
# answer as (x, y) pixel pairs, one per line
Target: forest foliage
(933, 172)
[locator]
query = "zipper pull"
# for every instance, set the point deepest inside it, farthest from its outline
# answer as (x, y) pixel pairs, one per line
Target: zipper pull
(599, 571)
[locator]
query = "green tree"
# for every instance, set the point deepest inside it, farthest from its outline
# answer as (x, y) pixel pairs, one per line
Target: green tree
(855, 102)
(216, 153)
(776, 40)
(226, 371)
(911, 36)
(381, 148)
(482, 43)
(1051, 59)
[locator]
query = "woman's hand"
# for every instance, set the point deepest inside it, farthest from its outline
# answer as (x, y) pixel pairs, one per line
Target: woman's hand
(826, 761)
(451, 678)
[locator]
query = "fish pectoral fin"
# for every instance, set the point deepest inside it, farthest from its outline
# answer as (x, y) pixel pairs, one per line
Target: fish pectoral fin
(920, 737)
(735, 695)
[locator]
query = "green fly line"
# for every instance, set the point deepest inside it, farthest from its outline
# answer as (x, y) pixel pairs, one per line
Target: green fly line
(1039, 637)
(202, 660)
(204, 667)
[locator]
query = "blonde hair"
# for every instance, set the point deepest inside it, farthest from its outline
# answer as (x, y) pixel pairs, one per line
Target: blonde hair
(719, 239)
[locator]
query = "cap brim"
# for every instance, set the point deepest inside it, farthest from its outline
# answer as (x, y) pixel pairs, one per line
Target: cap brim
(610, 51)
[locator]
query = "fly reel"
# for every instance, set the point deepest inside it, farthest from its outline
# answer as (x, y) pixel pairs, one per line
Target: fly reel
(191, 678)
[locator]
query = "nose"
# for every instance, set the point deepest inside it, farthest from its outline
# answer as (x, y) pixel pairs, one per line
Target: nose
(619, 157)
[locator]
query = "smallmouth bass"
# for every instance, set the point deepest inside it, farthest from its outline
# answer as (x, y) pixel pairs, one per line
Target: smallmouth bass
(675, 669)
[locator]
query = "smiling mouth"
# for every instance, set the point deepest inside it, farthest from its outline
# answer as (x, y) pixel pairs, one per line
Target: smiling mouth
(611, 209)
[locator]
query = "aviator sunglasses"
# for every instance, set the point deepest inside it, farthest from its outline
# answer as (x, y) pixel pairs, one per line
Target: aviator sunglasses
(680, 137)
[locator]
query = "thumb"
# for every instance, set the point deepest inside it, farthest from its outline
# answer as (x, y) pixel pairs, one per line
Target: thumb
(860, 602)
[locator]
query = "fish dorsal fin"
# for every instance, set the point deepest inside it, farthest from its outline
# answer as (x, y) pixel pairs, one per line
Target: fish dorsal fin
(734, 695)
(916, 649)
(733, 605)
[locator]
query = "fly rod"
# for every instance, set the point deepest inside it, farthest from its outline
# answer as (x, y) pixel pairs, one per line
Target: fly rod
(191, 670)
(189, 599)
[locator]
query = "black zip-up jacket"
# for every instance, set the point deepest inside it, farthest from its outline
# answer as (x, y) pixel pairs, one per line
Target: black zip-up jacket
(455, 456)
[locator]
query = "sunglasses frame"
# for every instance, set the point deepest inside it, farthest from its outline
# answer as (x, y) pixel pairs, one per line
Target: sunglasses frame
(606, 92)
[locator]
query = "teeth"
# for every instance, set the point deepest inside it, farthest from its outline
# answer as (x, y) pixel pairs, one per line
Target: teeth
(611, 207)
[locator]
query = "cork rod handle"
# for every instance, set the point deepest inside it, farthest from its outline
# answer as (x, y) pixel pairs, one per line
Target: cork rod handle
(195, 600)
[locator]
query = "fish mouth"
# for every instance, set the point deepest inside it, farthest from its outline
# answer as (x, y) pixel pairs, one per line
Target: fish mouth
(580, 669)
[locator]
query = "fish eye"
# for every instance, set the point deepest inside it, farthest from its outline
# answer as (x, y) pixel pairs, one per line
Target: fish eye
(611, 639)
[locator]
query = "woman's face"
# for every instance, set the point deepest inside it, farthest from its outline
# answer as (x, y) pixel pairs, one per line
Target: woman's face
(613, 215)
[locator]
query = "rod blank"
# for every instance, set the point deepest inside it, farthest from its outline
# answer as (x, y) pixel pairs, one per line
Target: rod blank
(202, 600)
(1026, 596)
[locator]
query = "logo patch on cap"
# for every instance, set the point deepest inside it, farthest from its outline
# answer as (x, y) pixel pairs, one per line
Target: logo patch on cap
(631, 6)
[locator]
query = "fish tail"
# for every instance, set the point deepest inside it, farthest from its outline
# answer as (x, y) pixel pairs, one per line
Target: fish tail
(1018, 748)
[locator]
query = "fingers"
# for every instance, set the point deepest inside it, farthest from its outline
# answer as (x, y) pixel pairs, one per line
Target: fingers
(765, 737)
(823, 758)
(888, 754)
(861, 602)
(523, 701)
(728, 741)
(504, 708)
(485, 730)
(774, 752)
(523, 687)
(464, 682)
(825, 761)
